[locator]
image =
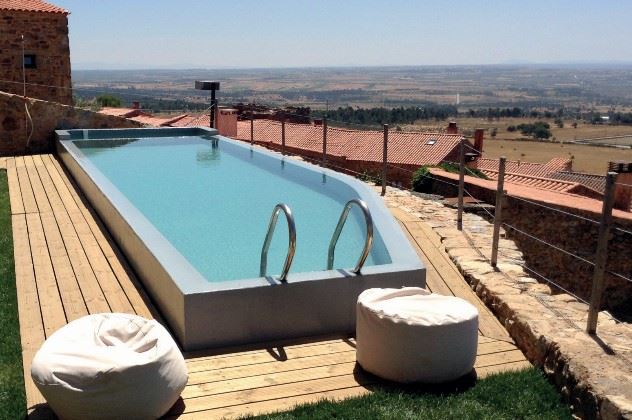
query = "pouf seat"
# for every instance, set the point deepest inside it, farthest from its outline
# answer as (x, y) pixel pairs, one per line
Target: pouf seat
(411, 335)
(110, 366)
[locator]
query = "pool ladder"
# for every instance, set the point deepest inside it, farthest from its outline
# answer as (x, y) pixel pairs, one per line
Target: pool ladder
(341, 222)
(263, 267)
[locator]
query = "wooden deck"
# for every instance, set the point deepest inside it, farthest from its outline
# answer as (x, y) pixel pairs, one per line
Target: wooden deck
(67, 266)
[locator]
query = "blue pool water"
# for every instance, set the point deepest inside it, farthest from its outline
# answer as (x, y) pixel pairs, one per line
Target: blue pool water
(212, 199)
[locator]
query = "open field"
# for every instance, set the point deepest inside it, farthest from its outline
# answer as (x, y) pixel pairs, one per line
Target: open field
(565, 134)
(591, 159)
(589, 86)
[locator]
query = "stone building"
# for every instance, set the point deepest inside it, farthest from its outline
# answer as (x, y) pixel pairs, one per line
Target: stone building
(38, 30)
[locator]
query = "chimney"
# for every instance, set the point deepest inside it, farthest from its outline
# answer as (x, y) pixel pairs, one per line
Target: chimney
(623, 184)
(452, 128)
(227, 122)
(135, 105)
(479, 134)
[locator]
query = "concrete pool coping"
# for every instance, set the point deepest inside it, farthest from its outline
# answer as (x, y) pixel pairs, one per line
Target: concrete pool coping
(189, 302)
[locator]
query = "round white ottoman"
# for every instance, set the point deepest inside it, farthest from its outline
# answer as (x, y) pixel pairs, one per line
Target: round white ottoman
(412, 335)
(110, 366)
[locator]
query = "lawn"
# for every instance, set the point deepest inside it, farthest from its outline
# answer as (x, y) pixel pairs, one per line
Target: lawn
(512, 395)
(12, 401)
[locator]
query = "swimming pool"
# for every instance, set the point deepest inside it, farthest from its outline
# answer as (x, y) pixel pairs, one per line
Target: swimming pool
(190, 209)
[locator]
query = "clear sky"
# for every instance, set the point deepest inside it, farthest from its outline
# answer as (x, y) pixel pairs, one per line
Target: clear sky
(284, 33)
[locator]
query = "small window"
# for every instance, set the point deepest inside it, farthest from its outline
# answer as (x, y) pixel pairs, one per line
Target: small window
(29, 61)
(431, 142)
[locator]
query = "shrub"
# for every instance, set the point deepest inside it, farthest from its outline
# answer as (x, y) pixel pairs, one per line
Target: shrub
(422, 181)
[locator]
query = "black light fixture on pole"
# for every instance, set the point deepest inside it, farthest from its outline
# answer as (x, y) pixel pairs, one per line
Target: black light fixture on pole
(212, 86)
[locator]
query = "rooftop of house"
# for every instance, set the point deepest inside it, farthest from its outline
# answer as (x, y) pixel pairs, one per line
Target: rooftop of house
(31, 6)
(593, 181)
(550, 197)
(404, 148)
(550, 184)
(526, 168)
(137, 114)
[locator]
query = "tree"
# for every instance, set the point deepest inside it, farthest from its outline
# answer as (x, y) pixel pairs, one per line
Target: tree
(107, 100)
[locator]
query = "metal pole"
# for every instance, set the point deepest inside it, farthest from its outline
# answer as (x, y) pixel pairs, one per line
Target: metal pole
(384, 159)
(213, 109)
(602, 254)
(499, 209)
(459, 218)
(324, 141)
(283, 134)
(252, 125)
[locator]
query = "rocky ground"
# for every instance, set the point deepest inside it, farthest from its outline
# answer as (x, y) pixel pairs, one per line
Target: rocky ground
(593, 373)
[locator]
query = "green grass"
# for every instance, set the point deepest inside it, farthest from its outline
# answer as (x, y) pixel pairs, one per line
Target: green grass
(513, 395)
(12, 401)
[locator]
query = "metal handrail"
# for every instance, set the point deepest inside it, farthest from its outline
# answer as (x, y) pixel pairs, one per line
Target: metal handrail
(263, 267)
(369, 234)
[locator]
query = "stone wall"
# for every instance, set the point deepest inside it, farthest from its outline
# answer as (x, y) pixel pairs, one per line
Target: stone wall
(46, 37)
(47, 117)
(578, 236)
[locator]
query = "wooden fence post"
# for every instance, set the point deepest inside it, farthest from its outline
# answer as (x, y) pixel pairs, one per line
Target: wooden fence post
(602, 254)
(384, 159)
(324, 142)
(499, 209)
(459, 217)
(283, 134)
(252, 125)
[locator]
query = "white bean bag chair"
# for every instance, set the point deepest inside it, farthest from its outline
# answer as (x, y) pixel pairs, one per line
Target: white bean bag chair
(110, 366)
(412, 335)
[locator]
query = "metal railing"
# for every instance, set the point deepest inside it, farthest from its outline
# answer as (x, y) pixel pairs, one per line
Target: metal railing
(263, 267)
(341, 222)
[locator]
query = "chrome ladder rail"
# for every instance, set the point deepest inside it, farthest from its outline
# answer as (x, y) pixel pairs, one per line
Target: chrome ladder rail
(263, 267)
(369, 234)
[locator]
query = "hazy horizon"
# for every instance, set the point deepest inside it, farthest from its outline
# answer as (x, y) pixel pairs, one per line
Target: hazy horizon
(242, 34)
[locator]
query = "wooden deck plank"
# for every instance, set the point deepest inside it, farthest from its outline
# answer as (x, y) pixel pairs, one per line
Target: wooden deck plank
(262, 381)
(28, 198)
(437, 261)
(15, 194)
(49, 297)
(31, 324)
(134, 293)
(274, 405)
(267, 368)
(94, 294)
(286, 390)
(263, 356)
(41, 198)
(71, 296)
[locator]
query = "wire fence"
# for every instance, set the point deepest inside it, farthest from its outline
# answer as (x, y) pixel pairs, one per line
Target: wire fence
(307, 143)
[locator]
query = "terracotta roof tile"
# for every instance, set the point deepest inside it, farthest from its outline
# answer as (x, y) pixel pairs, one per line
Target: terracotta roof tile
(31, 6)
(544, 183)
(526, 168)
(595, 182)
(405, 148)
(555, 198)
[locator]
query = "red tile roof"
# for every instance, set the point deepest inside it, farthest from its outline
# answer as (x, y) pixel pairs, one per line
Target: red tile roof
(556, 198)
(595, 182)
(157, 121)
(404, 148)
(120, 112)
(31, 6)
(526, 168)
(546, 183)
